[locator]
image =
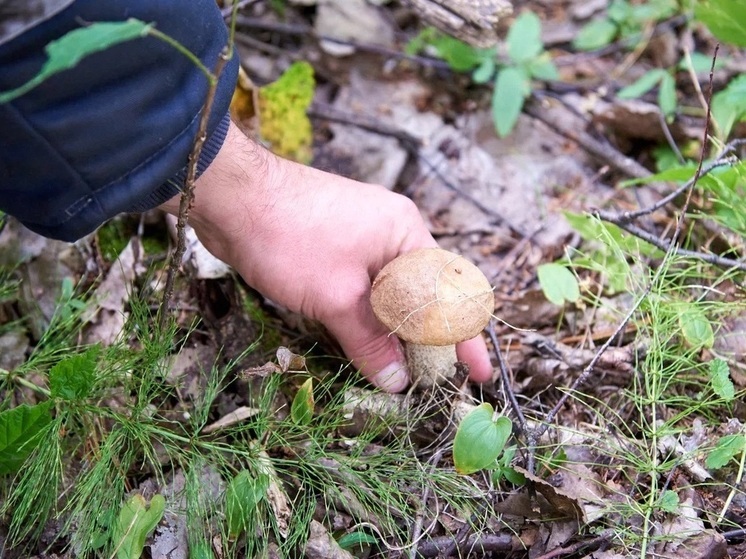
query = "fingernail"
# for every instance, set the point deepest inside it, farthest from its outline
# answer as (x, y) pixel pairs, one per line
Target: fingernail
(394, 377)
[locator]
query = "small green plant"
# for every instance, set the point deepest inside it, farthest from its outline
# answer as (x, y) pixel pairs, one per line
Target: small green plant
(558, 283)
(504, 469)
(244, 493)
(480, 439)
(623, 20)
(526, 60)
(666, 83)
(136, 520)
(726, 19)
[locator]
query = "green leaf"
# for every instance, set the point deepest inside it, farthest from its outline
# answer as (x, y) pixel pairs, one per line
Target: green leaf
(724, 451)
(356, 539)
(136, 520)
(722, 385)
(653, 10)
(726, 19)
(242, 496)
(558, 283)
(69, 50)
(302, 408)
(511, 88)
(513, 476)
(667, 96)
(480, 439)
(73, 378)
(620, 11)
(524, 38)
(669, 501)
(543, 68)
(695, 328)
(729, 105)
(484, 71)
(639, 88)
(459, 55)
(680, 173)
(595, 34)
(20, 428)
(591, 229)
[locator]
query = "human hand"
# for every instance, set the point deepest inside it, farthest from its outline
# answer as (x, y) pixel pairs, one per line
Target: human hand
(313, 242)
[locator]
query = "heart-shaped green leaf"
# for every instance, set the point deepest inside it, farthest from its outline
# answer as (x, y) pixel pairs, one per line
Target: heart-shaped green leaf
(480, 439)
(558, 283)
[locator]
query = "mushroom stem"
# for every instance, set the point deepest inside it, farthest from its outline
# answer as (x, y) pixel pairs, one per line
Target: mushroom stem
(431, 365)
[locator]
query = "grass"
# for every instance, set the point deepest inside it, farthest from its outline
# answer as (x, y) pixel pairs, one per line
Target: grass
(110, 436)
(641, 438)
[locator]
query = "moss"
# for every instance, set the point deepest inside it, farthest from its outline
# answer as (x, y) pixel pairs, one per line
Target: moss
(282, 109)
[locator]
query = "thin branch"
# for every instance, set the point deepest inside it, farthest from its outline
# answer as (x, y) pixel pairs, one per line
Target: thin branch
(671, 248)
(308, 31)
(187, 195)
(484, 543)
(585, 546)
(714, 259)
(721, 161)
(599, 149)
(505, 376)
(412, 144)
(586, 373)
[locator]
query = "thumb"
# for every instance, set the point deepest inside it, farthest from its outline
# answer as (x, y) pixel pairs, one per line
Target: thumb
(373, 350)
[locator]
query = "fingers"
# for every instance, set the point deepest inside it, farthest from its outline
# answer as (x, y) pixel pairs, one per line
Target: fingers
(474, 352)
(378, 355)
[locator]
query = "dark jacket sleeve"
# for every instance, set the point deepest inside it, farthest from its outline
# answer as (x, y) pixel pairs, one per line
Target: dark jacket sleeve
(114, 133)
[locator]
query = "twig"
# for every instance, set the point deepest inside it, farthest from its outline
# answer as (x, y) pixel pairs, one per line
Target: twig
(481, 542)
(187, 195)
(505, 376)
(327, 112)
(601, 150)
(458, 540)
(420, 517)
(622, 220)
(412, 144)
(306, 30)
(714, 259)
(604, 538)
(589, 369)
(737, 534)
(721, 160)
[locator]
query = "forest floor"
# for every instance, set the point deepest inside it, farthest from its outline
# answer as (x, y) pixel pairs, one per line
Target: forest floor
(624, 378)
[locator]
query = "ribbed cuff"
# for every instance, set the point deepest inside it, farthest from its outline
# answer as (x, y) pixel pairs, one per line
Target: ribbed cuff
(175, 184)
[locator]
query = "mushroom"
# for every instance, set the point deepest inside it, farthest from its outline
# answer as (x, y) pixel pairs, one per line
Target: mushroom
(432, 299)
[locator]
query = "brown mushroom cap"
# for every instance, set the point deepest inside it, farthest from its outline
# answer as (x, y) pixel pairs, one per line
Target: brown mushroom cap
(432, 297)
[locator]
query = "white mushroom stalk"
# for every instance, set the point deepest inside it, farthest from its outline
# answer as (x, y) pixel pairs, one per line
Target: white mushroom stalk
(432, 299)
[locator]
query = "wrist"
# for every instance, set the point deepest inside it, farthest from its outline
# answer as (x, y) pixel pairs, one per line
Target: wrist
(226, 193)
